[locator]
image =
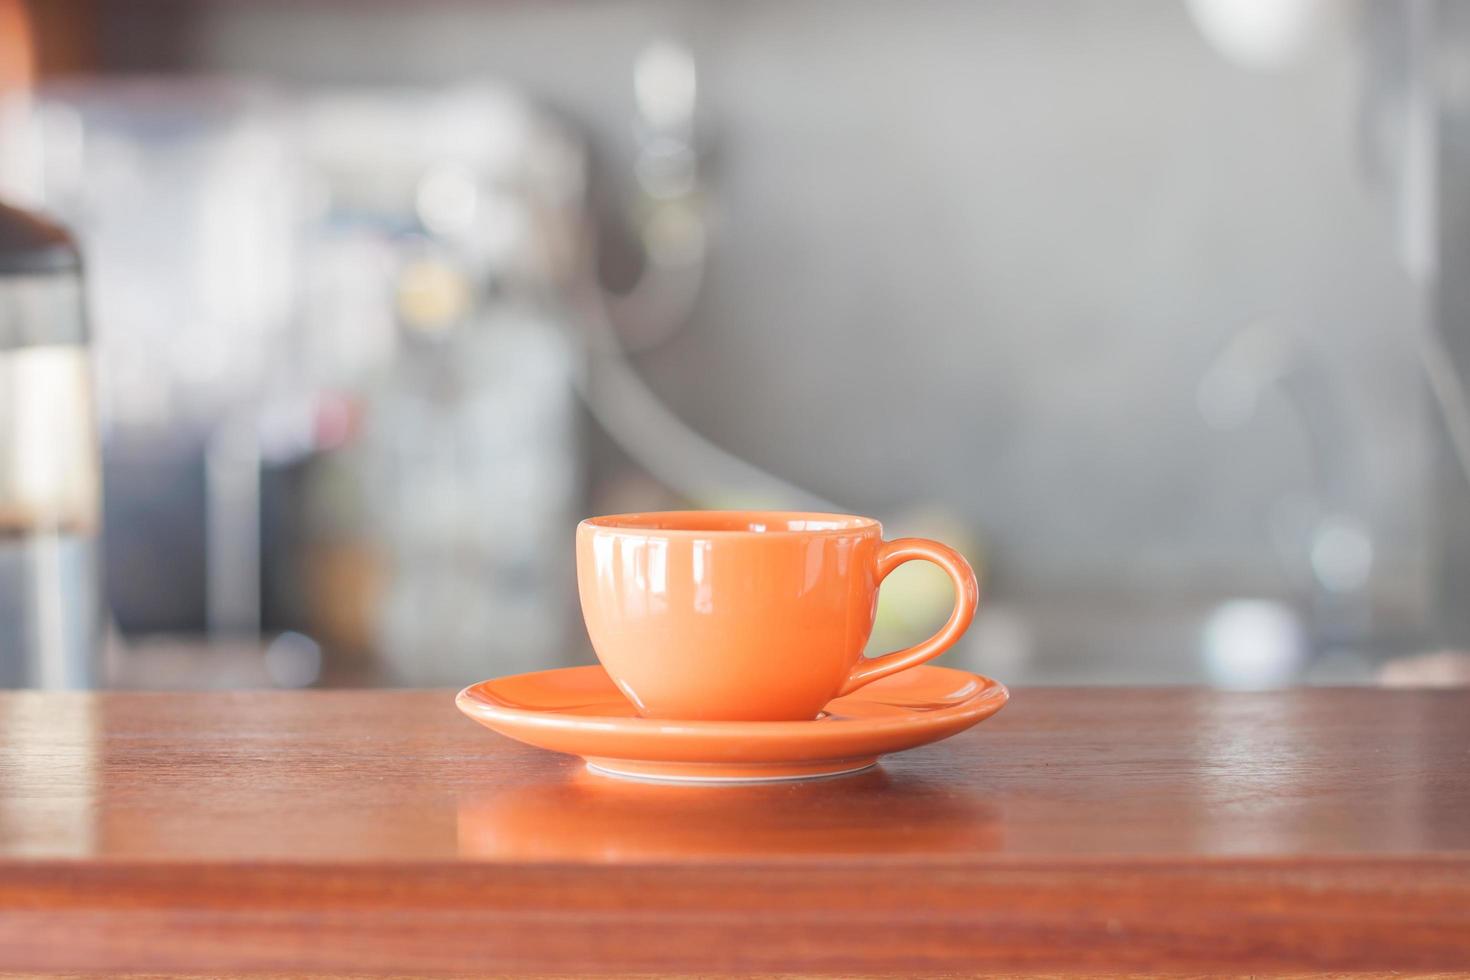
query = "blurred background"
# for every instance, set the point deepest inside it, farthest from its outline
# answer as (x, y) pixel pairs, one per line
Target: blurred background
(1152, 308)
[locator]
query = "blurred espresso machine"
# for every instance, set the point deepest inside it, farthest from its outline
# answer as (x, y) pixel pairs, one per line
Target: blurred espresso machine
(337, 410)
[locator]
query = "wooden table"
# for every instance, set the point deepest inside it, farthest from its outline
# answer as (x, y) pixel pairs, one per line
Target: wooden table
(1169, 829)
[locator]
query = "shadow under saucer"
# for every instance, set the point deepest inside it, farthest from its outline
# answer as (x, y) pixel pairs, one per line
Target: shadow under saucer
(589, 817)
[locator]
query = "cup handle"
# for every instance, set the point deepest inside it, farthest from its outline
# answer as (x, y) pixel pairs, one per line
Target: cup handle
(967, 595)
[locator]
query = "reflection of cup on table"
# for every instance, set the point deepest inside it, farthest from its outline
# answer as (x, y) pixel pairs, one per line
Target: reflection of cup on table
(747, 615)
(591, 818)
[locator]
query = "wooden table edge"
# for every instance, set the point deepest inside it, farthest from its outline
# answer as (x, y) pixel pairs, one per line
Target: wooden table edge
(895, 914)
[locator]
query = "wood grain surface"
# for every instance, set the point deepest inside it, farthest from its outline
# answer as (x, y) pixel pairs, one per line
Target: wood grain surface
(360, 832)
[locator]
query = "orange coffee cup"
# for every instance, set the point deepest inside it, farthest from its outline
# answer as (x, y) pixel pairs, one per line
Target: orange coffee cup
(747, 615)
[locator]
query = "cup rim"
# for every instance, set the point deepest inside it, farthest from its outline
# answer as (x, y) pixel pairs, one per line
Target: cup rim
(671, 522)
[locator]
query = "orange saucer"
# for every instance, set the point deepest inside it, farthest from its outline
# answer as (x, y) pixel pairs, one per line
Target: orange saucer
(578, 710)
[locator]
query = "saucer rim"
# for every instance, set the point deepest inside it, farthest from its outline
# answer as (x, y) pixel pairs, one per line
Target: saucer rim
(990, 697)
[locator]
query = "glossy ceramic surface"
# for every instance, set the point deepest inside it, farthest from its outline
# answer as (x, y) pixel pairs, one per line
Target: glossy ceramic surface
(578, 710)
(747, 615)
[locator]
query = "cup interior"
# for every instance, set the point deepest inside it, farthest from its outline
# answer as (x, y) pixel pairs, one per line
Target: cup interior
(735, 522)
